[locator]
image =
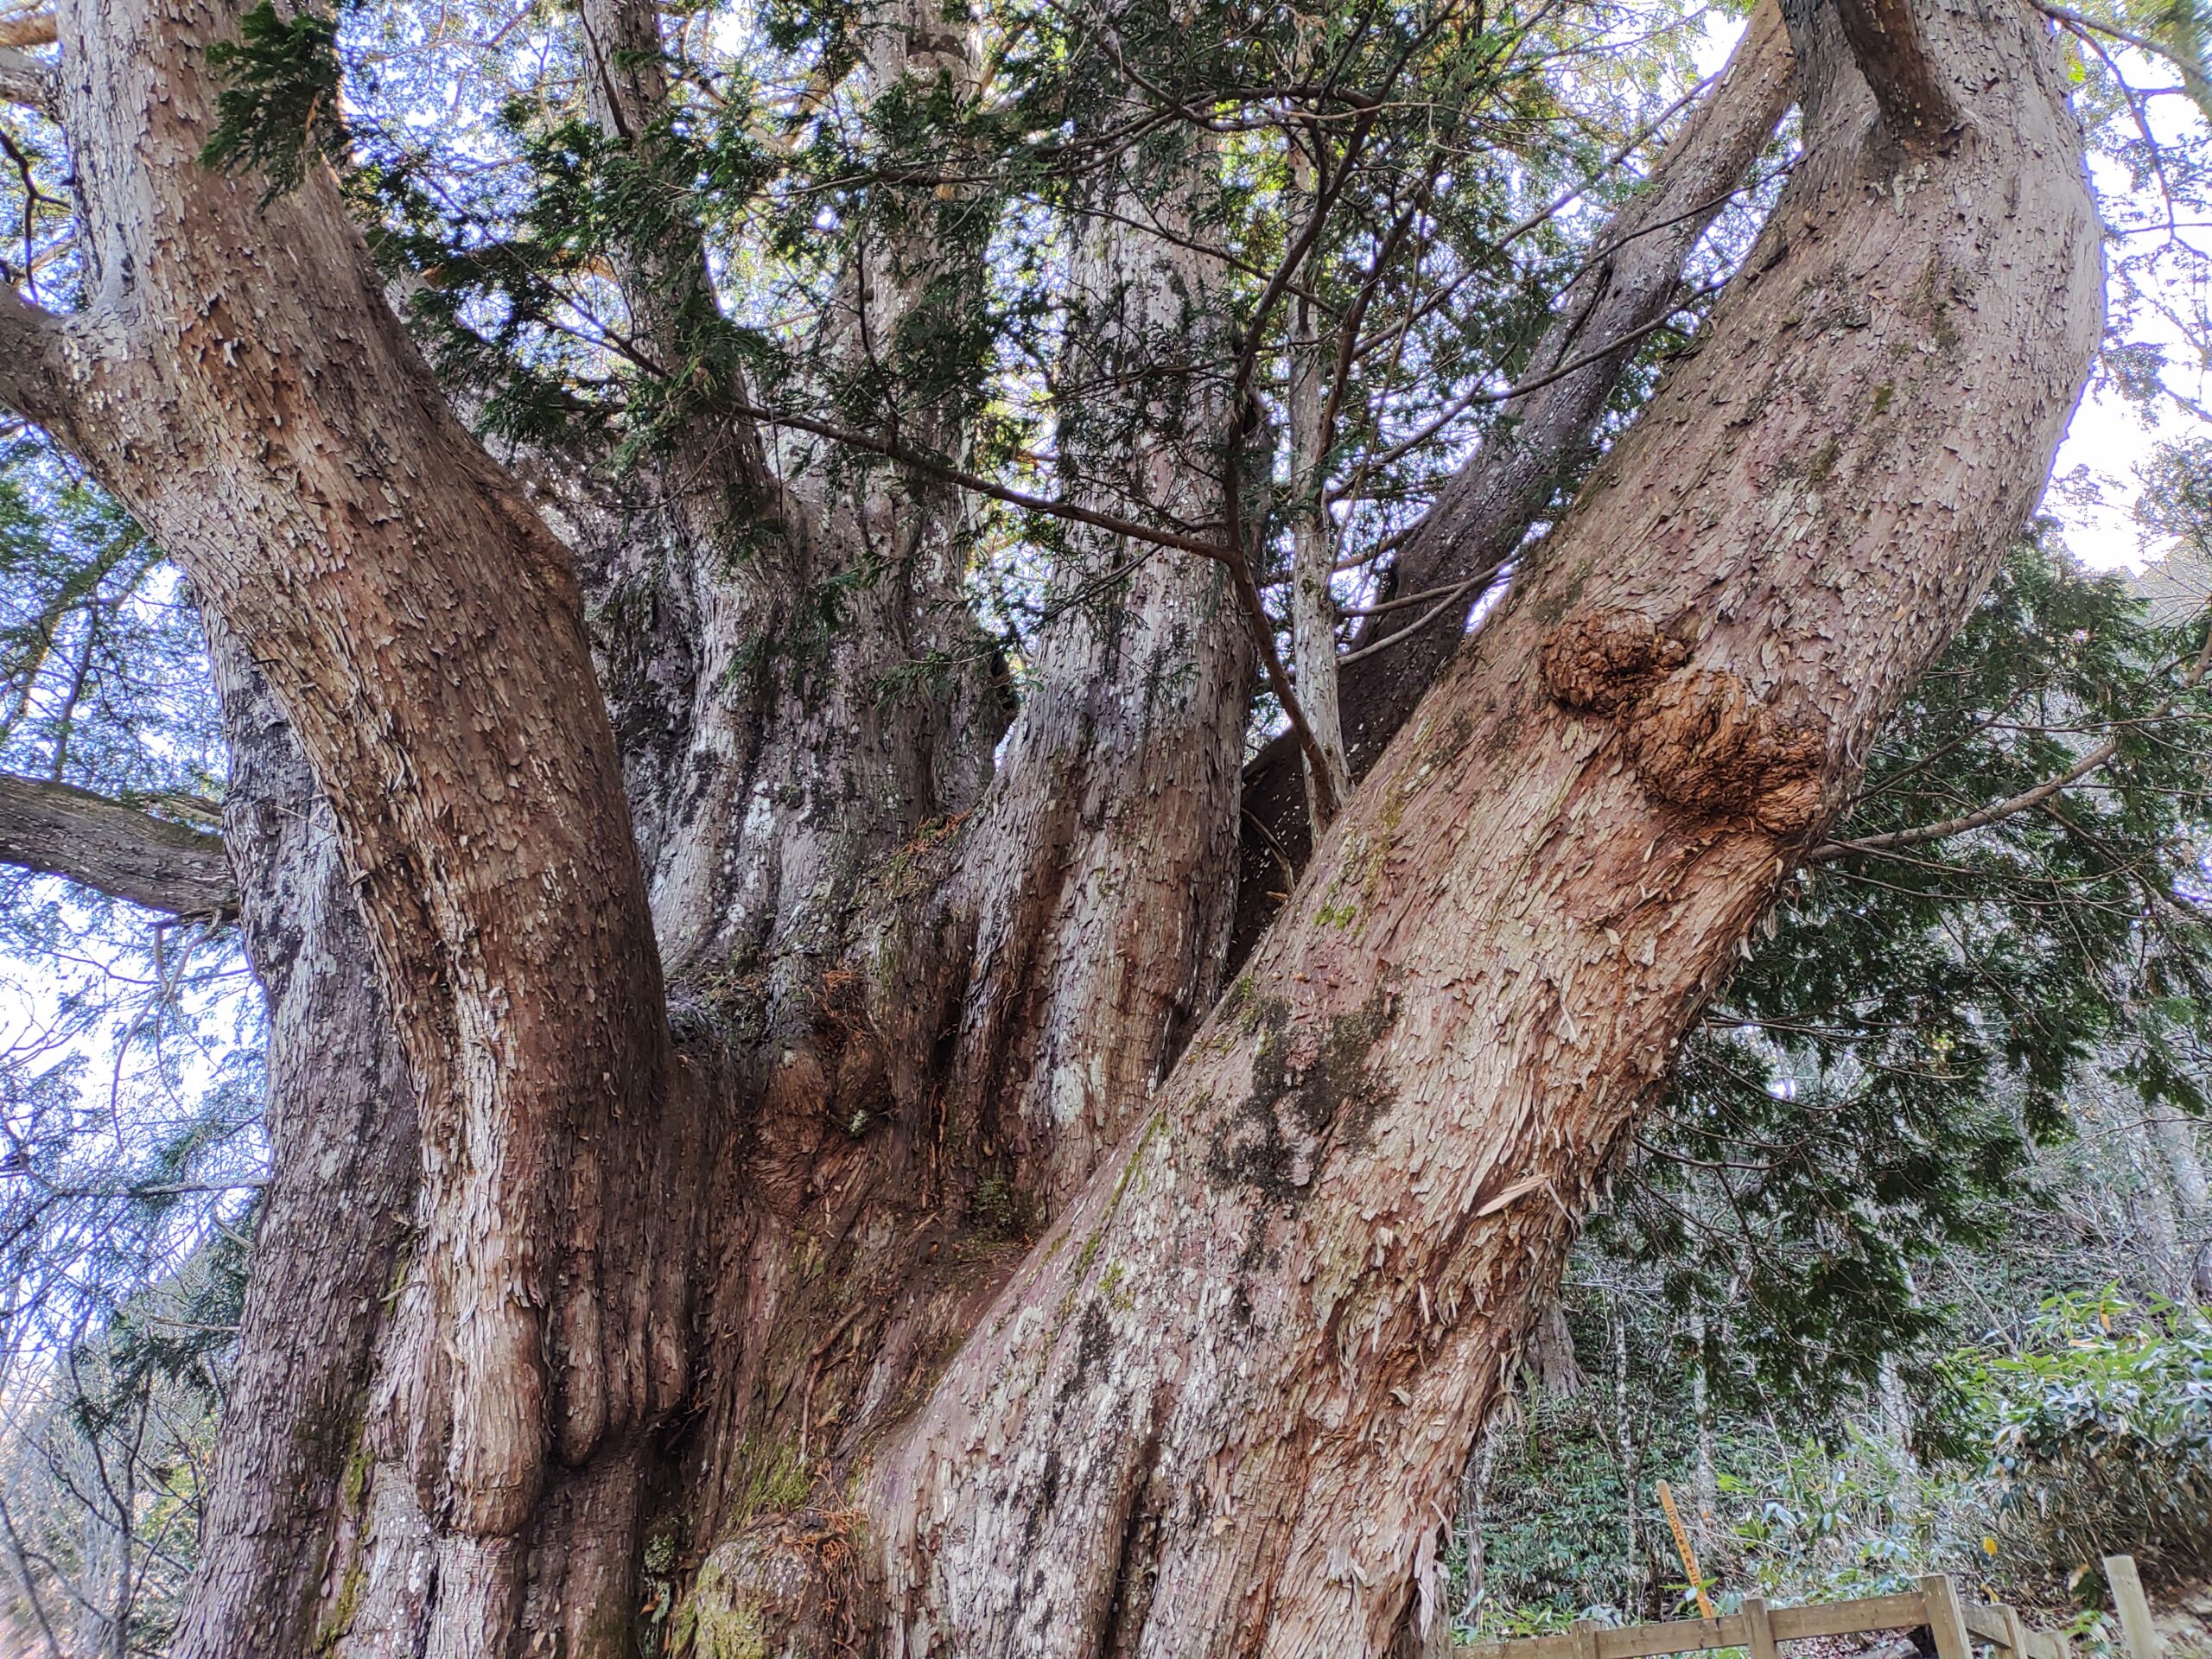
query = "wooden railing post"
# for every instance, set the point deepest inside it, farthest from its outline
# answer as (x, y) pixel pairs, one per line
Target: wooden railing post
(1760, 1629)
(2133, 1606)
(1947, 1620)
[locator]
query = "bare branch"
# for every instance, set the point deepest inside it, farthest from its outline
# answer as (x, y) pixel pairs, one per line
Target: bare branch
(27, 82)
(979, 485)
(36, 27)
(114, 848)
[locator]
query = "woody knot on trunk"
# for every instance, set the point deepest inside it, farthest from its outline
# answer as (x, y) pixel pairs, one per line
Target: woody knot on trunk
(1700, 738)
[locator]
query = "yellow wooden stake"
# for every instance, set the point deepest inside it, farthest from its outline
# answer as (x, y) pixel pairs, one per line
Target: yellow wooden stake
(1682, 1545)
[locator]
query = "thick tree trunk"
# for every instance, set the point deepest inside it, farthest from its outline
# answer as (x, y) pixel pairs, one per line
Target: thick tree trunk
(1024, 979)
(1221, 1405)
(1100, 870)
(340, 1116)
(239, 381)
(1223, 1401)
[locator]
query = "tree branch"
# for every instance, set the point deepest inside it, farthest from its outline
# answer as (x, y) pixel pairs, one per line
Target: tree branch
(2026, 801)
(924, 462)
(27, 82)
(35, 380)
(57, 830)
(1884, 37)
(36, 27)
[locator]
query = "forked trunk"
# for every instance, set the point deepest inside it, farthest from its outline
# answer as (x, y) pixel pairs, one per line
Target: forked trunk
(1221, 1405)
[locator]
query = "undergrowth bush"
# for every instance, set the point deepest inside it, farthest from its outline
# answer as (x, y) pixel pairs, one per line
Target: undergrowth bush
(2101, 1439)
(2092, 1437)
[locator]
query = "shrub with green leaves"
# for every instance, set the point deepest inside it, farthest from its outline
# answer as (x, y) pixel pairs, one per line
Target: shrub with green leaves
(2102, 1440)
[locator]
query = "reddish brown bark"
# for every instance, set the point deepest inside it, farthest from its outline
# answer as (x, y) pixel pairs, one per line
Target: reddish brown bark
(1223, 1401)
(237, 379)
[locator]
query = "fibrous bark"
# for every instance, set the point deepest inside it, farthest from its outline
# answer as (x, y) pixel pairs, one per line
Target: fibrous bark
(339, 1118)
(239, 381)
(1221, 1404)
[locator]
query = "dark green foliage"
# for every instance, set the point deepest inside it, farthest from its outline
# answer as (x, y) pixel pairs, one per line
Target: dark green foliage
(281, 106)
(2101, 1439)
(1863, 1095)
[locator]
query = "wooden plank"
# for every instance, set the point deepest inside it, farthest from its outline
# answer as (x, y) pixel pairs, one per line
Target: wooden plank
(2134, 1608)
(1526, 1647)
(1672, 1635)
(2016, 1632)
(1946, 1619)
(1903, 1612)
(1533, 1647)
(1758, 1629)
(1987, 1623)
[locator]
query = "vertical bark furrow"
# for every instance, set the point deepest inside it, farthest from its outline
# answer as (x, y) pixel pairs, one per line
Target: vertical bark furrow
(340, 1116)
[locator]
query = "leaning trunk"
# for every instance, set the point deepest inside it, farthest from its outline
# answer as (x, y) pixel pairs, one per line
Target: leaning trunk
(1223, 1405)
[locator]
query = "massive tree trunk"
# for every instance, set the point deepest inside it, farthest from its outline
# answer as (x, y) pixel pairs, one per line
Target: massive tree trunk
(1221, 1405)
(239, 381)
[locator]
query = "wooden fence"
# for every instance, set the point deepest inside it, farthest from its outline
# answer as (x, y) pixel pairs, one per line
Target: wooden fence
(1957, 1625)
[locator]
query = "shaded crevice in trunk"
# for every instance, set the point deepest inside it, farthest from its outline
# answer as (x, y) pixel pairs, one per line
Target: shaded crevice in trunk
(339, 1118)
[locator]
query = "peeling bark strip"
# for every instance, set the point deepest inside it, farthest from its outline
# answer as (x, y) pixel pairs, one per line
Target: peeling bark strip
(57, 830)
(1272, 1325)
